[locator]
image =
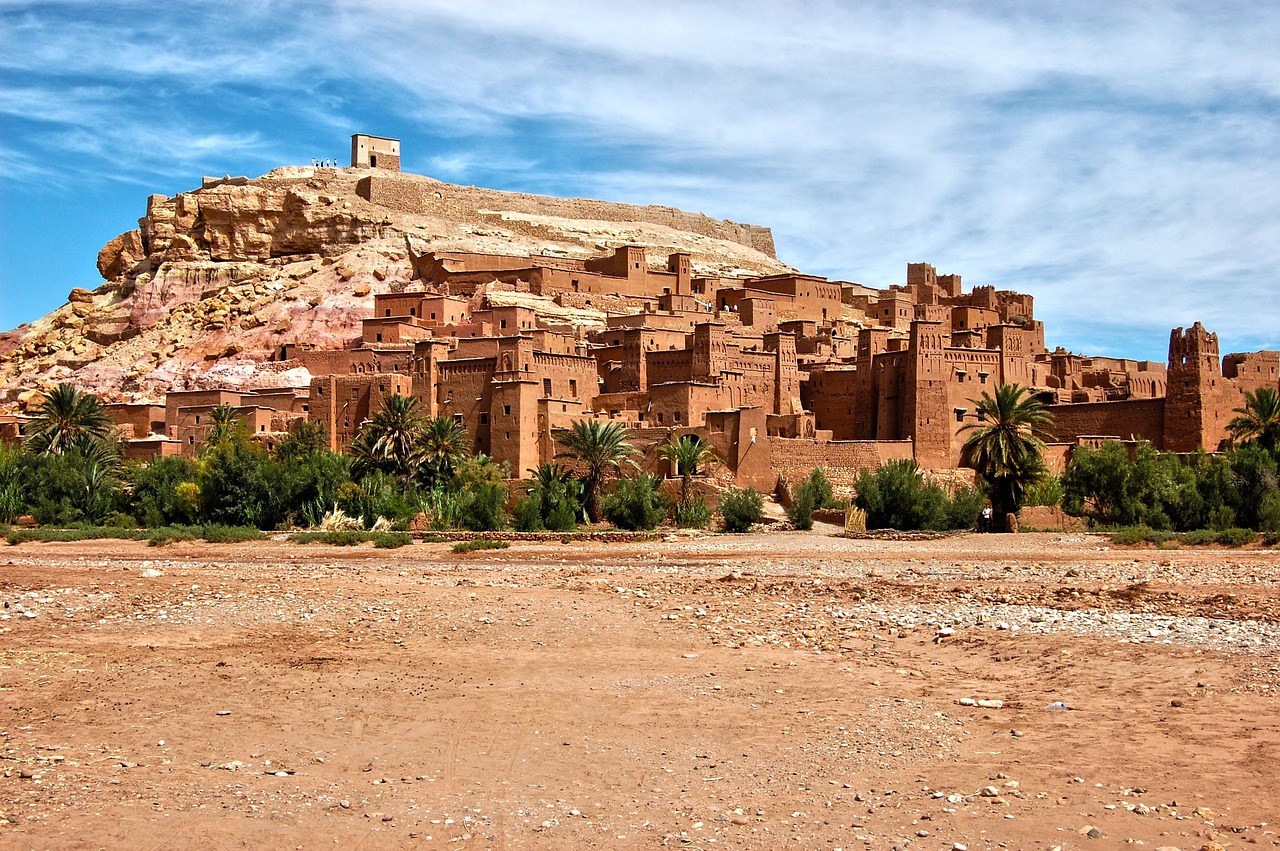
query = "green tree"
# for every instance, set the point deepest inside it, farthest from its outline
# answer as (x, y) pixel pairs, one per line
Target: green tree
(1258, 420)
(1004, 446)
(601, 448)
(65, 418)
(688, 455)
(224, 426)
(391, 440)
(443, 448)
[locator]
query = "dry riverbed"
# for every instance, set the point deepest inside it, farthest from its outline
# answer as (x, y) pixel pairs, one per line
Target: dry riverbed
(772, 690)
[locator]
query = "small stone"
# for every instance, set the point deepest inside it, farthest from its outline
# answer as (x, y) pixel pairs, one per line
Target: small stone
(1017, 734)
(1175, 703)
(990, 792)
(1093, 833)
(991, 704)
(740, 820)
(223, 712)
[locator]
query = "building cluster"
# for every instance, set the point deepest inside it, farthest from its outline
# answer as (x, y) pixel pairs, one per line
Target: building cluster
(779, 372)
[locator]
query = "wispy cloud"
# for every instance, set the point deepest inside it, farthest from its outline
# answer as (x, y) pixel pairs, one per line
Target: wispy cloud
(1116, 160)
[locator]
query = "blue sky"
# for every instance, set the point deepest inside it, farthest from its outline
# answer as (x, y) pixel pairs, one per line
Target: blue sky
(1120, 161)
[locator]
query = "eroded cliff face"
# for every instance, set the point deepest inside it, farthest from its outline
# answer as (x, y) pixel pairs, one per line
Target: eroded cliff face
(215, 281)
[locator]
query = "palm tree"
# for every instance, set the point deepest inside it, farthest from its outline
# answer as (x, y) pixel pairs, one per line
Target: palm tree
(687, 454)
(396, 430)
(64, 418)
(444, 444)
(1005, 446)
(1259, 419)
(599, 447)
(223, 426)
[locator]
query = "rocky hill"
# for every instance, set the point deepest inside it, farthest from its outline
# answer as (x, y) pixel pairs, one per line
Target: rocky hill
(216, 280)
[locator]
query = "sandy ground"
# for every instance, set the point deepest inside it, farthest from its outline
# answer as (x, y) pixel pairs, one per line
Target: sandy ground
(776, 690)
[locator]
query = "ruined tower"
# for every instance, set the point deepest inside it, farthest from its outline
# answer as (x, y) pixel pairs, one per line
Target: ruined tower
(1199, 400)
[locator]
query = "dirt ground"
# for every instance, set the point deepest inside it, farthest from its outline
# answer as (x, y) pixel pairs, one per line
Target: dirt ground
(774, 690)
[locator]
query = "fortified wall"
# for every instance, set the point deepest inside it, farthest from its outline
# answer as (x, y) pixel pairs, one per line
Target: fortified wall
(781, 372)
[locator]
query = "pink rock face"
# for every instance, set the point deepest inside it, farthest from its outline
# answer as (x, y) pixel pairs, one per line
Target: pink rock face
(215, 281)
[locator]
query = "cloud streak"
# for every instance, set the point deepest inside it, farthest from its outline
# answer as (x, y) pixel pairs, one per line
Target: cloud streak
(1116, 161)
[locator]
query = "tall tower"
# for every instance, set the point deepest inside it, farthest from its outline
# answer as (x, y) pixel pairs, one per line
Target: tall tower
(925, 395)
(1199, 400)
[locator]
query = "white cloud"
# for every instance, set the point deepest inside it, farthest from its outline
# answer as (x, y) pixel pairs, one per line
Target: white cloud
(1116, 160)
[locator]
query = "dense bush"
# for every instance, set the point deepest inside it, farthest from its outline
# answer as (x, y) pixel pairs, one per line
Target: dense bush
(479, 544)
(482, 495)
(695, 515)
(553, 502)
(813, 493)
(165, 492)
(898, 496)
(1239, 488)
(637, 504)
(741, 509)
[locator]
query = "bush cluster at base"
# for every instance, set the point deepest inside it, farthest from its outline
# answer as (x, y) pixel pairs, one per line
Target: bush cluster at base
(479, 544)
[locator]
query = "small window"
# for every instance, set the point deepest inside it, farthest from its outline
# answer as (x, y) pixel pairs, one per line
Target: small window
(413, 311)
(197, 419)
(457, 418)
(388, 311)
(960, 415)
(262, 428)
(573, 387)
(546, 387)
(677, 416)
(192, 440)
(484, 419)
(506, 409)
(564, 408)
(502, 323)
(433, 316)
(379, 338)
(306, 408)
(659, 417)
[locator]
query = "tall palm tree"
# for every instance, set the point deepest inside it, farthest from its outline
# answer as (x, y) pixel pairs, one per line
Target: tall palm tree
(1259, 419)
(223, 426)
(600, 447)
(444, 445)
(65, 418)
(1005, 446)
(687, 454)
(396, 430)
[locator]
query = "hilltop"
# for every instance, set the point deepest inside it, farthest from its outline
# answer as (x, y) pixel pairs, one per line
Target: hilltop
(217, 279)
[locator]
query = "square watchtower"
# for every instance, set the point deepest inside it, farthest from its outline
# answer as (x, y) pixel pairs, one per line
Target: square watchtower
(375, 152)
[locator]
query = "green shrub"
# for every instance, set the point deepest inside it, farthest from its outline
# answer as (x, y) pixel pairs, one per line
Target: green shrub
(343, 539)
(391, 540)
(552, 503)
(1199, 537)
(741, 509)
(897, 495)
(636, 504)
(80, 533)
(171, 534)
(1047, 491)
(479, 544)
(1236, 537)
(165, 492)
(1128, 536)
(696, 515)
(482, 495)
(216, 534)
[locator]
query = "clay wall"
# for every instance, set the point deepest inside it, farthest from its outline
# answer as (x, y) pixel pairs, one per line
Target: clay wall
(1138, 418)
(403, 194)
(1253, 370)
(794, 459)
(136, 421)
(341, 403)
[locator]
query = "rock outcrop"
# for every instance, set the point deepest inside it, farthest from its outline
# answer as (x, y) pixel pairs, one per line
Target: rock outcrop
(215, 281)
